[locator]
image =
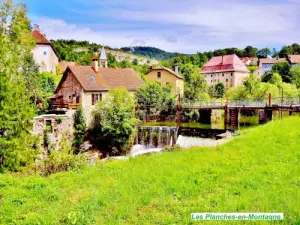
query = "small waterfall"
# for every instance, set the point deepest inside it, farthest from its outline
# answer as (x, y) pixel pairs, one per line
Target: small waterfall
(156, 136)
(153, 139)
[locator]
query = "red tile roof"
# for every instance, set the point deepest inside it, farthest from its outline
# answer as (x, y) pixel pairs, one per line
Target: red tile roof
(166, 69)
(294, 58)
(106, 78)
(272, 60)
(224, 64)
(64, 64)
(39, 37)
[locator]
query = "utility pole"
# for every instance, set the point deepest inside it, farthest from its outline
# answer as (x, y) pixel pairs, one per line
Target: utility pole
(281, 103)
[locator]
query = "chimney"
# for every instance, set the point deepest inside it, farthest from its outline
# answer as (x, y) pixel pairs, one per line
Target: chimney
(176, 68)
(96, 63)
(36, 27)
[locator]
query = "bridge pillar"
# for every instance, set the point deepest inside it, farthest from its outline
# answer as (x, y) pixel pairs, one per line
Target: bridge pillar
(234, 118)
(265, 115)
(205, 116)
(226, 118)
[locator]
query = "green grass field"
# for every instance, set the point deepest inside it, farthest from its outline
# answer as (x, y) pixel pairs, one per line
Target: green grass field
(256, 172)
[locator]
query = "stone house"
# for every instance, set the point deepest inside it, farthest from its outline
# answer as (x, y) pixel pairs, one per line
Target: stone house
(44, 53)
(166, 76)
(85, 85)
(228, 69)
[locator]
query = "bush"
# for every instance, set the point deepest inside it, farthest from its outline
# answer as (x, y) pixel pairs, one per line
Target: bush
(58, 162)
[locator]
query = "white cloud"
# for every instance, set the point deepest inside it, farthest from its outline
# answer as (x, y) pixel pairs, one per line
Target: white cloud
(184, 26)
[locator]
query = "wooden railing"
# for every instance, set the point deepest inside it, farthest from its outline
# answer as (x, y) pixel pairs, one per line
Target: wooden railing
(65, 106)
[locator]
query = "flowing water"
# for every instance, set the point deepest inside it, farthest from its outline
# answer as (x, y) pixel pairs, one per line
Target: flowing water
(156, 136)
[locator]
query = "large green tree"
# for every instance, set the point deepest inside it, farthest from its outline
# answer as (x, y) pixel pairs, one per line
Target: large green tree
(114, 118)
(16, 110)
(295, 75)
(154, 95)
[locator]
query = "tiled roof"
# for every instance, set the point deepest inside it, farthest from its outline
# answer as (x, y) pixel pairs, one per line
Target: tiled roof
(272, 60)
(106, 78)
(42, 40)
(64, 64)
(294, 58)
(224, 64)
(166, 69)
(39, 37)
(249, 60)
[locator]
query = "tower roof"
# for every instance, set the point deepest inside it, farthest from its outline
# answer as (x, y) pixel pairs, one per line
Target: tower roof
(103, 54)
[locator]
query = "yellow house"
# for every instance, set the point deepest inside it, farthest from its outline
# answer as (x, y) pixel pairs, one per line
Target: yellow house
(165, 77)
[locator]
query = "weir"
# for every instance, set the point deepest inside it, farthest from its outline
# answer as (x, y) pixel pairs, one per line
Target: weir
(156, 136)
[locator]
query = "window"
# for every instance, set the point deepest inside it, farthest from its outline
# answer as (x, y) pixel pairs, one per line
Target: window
(231, 74)
(92, 78)
(45, 52)
(96, 98)
(158, 75)
(226, 80)
(223, 75)
(211, 75)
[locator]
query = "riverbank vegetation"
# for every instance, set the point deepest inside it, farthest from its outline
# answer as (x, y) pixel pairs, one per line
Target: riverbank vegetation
(255, 172)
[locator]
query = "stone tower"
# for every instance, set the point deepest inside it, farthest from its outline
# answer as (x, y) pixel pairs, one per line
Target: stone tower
(103, 58)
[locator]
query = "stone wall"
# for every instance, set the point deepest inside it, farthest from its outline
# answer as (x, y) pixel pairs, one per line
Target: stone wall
(56, 126)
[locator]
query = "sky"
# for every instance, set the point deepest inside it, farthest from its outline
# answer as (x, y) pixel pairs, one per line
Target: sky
(186, 26)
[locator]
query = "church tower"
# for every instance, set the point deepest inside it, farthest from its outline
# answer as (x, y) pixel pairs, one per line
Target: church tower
(103, 58)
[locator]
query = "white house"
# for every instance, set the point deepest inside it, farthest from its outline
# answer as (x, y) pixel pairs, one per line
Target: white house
(44, 54)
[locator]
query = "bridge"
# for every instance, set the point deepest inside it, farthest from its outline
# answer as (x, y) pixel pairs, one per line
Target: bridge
(231, 107)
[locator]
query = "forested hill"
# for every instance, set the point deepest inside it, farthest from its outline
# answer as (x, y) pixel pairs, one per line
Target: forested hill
(248, 51)
(151, 52)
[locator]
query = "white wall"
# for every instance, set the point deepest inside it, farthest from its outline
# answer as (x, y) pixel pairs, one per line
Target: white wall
(46, 58)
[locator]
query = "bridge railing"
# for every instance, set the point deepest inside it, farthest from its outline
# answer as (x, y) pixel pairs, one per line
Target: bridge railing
(250, 102)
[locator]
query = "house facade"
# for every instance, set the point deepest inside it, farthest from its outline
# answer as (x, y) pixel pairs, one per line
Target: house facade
(267, 64)
(294, 60)
(86, 85)
(228, 69)
(44, 54)
(167, 77)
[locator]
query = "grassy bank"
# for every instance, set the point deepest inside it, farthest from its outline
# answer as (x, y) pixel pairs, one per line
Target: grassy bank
(256, 172)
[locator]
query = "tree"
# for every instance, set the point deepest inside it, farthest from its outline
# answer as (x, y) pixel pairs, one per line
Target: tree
(195, 89)
(283, 68)
(295, 75)
(249, 51)
(125, 64)
(220, 90)
(115, 118)
(251, 83)
(276, 80)
(135, 62)
(16, 109)
(263, 53)
(153, 94)
(79, 127)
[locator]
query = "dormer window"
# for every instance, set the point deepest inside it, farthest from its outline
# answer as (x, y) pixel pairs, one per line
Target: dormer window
(92, 78)
(158, 75)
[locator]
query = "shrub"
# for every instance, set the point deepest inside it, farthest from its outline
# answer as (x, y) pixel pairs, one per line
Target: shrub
(58, 162)
(62, 160)
(80, 127)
